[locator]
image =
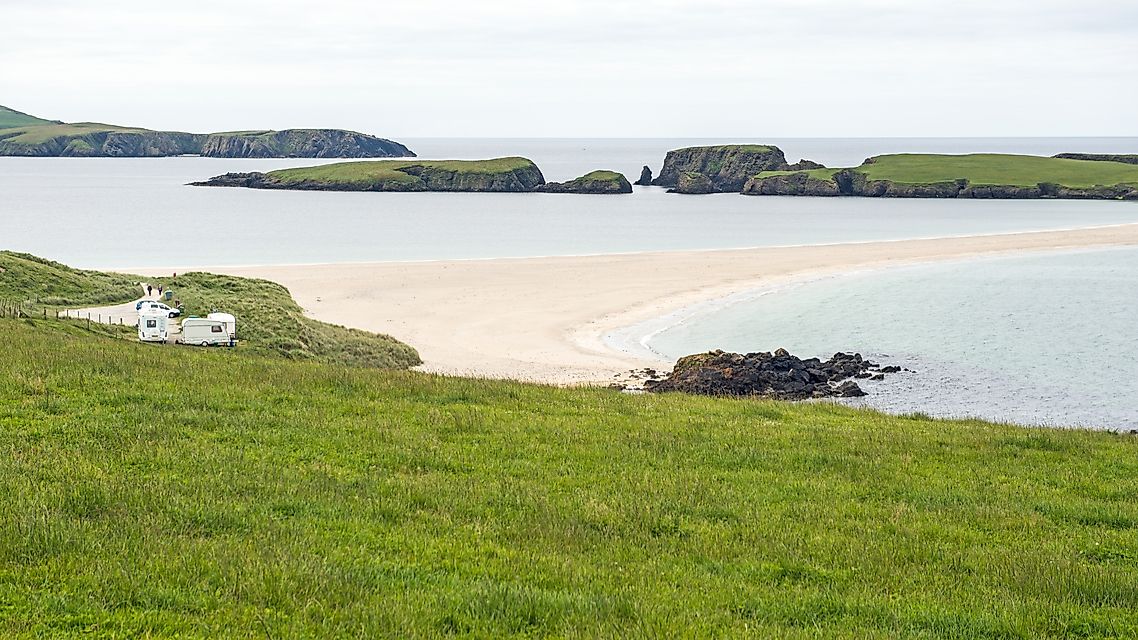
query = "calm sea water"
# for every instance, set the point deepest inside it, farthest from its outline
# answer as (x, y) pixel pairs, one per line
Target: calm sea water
(1036, 339)
(109, 212)
(1044, 340)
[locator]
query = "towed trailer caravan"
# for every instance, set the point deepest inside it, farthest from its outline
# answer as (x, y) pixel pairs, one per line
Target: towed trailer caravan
(206, 332)
(228, 319)
(153, 325)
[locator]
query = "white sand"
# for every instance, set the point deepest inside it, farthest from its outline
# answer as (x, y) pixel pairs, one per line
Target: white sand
(544, 319)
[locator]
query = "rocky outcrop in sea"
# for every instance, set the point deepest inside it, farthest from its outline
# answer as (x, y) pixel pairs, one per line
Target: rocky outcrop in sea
(596, 183)
(726, 167)
(645, 177)
(778, 375)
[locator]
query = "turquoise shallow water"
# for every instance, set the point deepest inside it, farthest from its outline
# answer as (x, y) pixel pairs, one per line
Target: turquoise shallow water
(1047, 339)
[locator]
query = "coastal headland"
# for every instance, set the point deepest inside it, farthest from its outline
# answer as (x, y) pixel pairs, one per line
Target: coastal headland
(22, 134)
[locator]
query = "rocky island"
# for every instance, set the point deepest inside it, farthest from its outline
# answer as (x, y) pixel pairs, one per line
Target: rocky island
(496, 175)
(595, 182)
(721, 168)
(26, 135)
(980, 175)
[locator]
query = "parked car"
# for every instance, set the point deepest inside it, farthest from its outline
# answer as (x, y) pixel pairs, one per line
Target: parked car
(171, 312)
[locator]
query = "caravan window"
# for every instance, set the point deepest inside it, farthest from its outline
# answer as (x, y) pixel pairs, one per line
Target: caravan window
(215, 328)
(151, 324)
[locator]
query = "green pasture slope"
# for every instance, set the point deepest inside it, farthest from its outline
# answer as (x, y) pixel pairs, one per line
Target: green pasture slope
(10, 118)
(269, 320)
(160, 492)
(986, 169)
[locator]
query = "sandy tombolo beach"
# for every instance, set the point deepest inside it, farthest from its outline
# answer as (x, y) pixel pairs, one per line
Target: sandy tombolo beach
(545, 319)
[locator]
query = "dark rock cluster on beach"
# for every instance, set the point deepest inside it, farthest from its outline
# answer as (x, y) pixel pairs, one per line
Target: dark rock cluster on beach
(777, 375)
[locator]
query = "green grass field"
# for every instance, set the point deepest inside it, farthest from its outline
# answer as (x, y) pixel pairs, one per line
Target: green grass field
(10, 118)
(269, 320)
(988, 169)
(375, 171)
(156, 492)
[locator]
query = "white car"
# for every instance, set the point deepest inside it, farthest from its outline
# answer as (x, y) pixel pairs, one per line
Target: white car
(171, 312)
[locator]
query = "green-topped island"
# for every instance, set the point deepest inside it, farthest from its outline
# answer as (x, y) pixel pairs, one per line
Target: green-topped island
(979, 175)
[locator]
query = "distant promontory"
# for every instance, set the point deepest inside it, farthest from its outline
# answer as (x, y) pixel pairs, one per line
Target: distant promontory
(26, 135)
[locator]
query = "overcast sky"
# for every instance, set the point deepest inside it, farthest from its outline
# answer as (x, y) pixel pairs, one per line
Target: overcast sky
(666, 68)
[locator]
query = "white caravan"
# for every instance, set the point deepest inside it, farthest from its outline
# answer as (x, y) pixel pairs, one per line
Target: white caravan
(153, 325)
(229, 320)
(205, 332)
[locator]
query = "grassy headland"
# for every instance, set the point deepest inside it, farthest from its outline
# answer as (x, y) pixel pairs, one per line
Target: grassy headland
(161, 492)
(269, 320)
(970, 175)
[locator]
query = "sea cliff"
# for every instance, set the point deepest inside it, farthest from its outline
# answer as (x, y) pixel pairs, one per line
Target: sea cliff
(301, 143)
(727, 167)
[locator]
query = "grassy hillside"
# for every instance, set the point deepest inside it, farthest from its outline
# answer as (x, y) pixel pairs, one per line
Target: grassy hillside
(40, 282)
(160, 492)
(987, 169)
(11, 118)
(31, 135)
(382, 171)
(269, 320)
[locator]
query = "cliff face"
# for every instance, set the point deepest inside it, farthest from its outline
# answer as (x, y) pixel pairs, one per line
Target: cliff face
(596, 182)
(849, 182)
(114, 144)
(728, 167)
(1125, 158)
(302, 143)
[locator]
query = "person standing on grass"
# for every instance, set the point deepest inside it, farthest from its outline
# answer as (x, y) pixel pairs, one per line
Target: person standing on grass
(159, 291)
